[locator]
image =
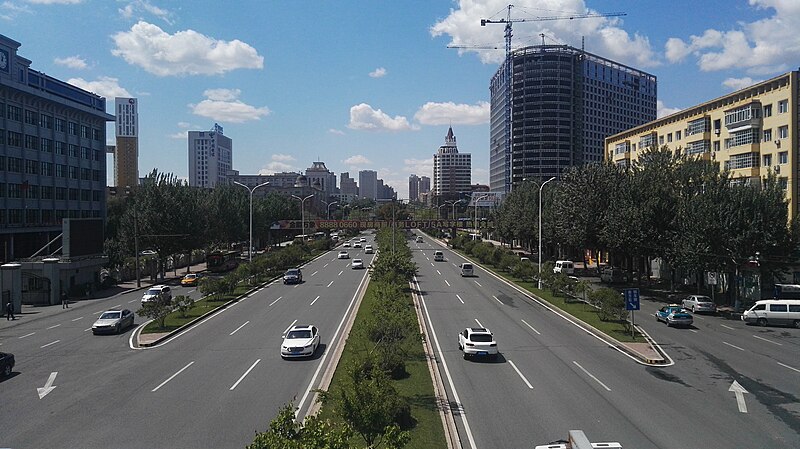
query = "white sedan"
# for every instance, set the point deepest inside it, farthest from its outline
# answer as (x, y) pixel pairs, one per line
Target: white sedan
(357, 264)
(300, 341)
(343, 255)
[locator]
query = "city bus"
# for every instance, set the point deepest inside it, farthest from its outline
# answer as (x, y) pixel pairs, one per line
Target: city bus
(787, 291)
(219, 261)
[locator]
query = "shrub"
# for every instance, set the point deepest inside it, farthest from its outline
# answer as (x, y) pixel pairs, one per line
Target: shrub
(155, 310)
(183, 304)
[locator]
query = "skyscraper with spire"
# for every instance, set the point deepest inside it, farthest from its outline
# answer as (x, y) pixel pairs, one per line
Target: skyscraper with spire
(452, 171)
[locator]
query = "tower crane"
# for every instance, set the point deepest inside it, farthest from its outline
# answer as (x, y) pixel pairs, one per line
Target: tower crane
(508, 21)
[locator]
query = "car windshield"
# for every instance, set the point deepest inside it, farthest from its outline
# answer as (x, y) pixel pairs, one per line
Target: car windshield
(293, 272)
(299, 334)
(190, 276)
(484, 338)
(110, 315)
(466, 266)
(153, 291)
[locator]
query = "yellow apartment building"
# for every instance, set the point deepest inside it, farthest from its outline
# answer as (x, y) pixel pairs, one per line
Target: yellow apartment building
(751, 132)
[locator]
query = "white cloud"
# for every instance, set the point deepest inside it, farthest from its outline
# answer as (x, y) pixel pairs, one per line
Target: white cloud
(739, 83)
(9, 10)
(183, 53)
(55, 2)
(104, 86)
(134, 7)
(338, 132)
(380, 72)
(663, 111)
(446, 113)
(463, 26)
(223, 105)
(769, 42)
(357, 160)
(276, 167)
(180, 135)
(283, 157)
(363, 117)
(73, 62)
(419, 167)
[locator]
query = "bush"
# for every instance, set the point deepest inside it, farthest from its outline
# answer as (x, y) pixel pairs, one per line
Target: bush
(155, 310)
(611, 302)
(183, 304)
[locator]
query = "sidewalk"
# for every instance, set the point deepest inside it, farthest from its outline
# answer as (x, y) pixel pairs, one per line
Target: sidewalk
(35, 312)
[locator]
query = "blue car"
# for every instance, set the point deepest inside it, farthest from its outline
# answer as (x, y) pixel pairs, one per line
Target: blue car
(674, 315)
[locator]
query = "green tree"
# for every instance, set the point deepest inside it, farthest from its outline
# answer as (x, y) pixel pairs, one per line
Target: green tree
(183, 303)
(155, 310)
(314, 433)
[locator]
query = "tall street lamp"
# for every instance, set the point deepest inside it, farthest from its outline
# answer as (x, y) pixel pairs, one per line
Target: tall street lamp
(303, 214)
(439, 211)
(328, 206)
(475, 235)
(454, 208)
(250, 248)
(540, 230)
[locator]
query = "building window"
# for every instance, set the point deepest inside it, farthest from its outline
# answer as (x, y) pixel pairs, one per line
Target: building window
(31, 142)
(86, 132)
(31, 192)
(73, 173)
(14, 139)
(768, 135)
(14, 216)
(47, 192)
(31, 167)
(783, 157)
(14, 113)
(767, 160)
(61, 193)
(73, 194)
(745, 137)
(669, 137)
(15, 165)
(2, 163)
(47, 145)
(783, 106)
(97, 135)
(14, 190)
(96, 196)
(46, 121)
(716, 145)
(86, 195)
(767, 110)
(2, 190)
(73, 128)
(31, 117)
(47, 169)
(86, 174)
(59, 147)
(784, 183)
(783, 132)
(61, 171)
(86, 153)
(59, 125)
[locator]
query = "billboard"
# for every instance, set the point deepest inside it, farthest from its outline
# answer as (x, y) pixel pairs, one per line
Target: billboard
(83, 237)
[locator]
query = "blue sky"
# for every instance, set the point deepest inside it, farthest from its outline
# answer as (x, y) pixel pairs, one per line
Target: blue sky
(370, 84)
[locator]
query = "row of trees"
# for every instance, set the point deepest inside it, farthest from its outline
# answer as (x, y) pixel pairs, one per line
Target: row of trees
(679, 208)
(365, 402)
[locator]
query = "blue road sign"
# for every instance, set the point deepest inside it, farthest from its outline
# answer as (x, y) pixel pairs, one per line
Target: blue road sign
(631, 299)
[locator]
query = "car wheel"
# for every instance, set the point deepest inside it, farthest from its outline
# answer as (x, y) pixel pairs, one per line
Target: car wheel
(692, 309)
(761, 322)
(466, 356)
(667, 323)
(7, 371)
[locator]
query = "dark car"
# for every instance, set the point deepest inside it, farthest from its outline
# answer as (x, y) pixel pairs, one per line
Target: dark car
(6, 364)
(613, 275)
(293, 276)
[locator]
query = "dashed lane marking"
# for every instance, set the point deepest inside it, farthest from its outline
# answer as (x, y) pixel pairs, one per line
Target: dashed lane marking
(520, 374)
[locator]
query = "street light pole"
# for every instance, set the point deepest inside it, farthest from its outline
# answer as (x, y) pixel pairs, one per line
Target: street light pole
(454, 209)
(250, 248)
(540, 230)
(475, 235)
(328, 206)
(303, 214)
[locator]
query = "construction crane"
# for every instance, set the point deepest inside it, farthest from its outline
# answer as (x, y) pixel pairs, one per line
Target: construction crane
(508, 21)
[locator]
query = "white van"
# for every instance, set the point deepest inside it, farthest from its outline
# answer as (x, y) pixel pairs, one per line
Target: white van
(564, 266)
(438, 256)
(774, 311)
(466, 269)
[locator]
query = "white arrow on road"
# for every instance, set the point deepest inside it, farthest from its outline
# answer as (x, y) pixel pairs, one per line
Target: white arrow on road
(48, 387)
(739, 391)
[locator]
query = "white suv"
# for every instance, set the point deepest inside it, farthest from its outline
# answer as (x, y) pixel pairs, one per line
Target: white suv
(477, 341)
(157, 293)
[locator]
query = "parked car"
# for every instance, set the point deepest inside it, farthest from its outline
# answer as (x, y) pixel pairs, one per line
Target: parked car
(477, 341)
(438, 256)
(466, 269)
(564, 266)
(6, 363)
(613, 275)
(699, 303)
(343, 255)
(157, 293)
(774, 311)
(357, 264)
(293, 276)
(113, 321)
(300, 341)
(674, 315)
(191, 279)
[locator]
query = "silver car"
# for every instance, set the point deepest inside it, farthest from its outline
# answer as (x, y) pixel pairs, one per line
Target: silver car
(699, 303)
(113, 321)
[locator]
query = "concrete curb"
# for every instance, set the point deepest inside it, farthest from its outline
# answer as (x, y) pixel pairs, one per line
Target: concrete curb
(610, 341)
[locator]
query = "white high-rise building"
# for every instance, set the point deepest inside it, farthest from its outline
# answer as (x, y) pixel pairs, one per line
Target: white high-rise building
(452, 171)
(368, 184)
(210, 157)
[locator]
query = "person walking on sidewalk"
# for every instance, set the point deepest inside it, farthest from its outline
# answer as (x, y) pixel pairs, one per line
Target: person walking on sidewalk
(10, 311)
(64, 300)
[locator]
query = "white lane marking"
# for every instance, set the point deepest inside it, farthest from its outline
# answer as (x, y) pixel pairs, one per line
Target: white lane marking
(117, 306)
(520, 374)
(296, 285)
(54, 326)
(98, 313)
(325, 266)
(51, 343)
(448, 284)
(727, 327)
(693, 330)
(315, 300)
(48, 386)
(340, 273)
(455, 265)
(479, 323)
(787, 366)
(768, 341)
(290, 326)
(459, 298)
(532, 328)
(237, 329)
(132, 301)
(732, 346)
(461, 411)
(331, 283)
(87, 330)
(273, 302)
(495, 298)
(26, 335)
(312, 274)
(440, 273)
(333, 259)
(591, 375)
(479, 284)
(432, 264)
(739, 391)
(172, 376)
(244, 375)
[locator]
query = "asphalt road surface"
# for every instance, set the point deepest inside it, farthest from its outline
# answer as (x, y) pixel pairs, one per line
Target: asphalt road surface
(552, 376)
(212, 386)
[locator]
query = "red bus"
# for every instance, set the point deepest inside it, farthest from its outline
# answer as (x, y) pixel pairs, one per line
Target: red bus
(219, 261)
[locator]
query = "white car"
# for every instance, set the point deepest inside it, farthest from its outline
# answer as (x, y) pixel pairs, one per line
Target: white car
(157, 293)
(357, 264)
(300, 341)
(699, 303)
(346, 245)
(368, 250)
(438, 256)
(477, 341)
(362, 239)
(113, 321)
(357, 245)
(343, 255)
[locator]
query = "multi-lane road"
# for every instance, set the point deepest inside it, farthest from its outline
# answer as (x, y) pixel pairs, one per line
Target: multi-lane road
(553, 376)
(212, 386)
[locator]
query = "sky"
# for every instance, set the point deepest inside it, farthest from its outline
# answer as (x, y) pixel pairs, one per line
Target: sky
(370, 84)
